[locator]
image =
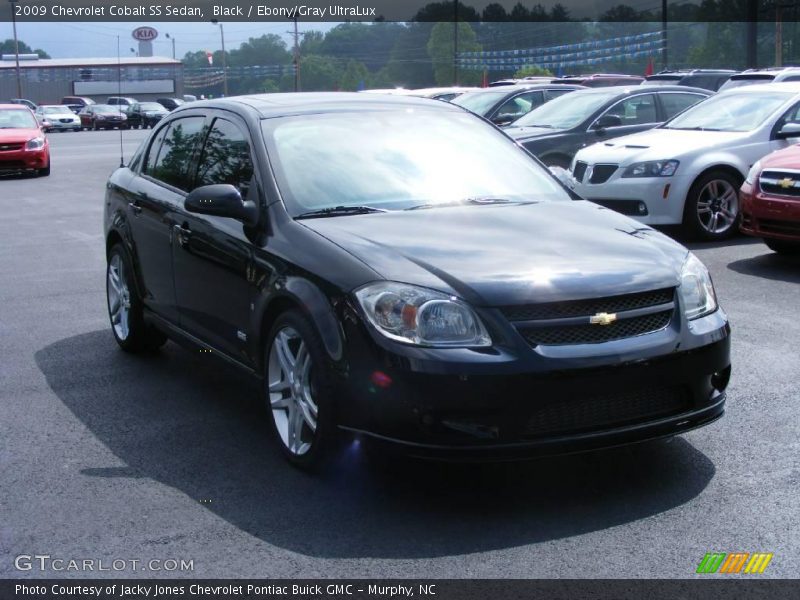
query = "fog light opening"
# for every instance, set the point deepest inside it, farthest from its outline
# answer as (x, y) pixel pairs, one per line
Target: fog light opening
(720, 379)
(642, 208)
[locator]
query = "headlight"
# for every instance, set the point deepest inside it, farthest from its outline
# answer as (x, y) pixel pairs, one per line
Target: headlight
(36, 143)
(420, 316)
(100, 117)
(652, 168)
(753, 173)
(696, 290)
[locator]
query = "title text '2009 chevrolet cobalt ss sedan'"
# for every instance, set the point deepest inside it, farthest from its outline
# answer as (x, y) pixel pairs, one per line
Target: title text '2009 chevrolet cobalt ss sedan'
(400, 269)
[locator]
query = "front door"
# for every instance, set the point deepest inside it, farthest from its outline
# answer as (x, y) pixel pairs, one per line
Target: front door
(213, 255)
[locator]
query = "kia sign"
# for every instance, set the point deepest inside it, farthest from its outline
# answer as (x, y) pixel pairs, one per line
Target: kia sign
(145, 34)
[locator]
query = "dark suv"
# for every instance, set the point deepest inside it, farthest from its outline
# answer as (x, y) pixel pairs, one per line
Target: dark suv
(401, 270)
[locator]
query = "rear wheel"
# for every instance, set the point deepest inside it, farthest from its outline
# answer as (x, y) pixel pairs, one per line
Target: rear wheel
(712, 206)
(130, 330)
(783, 247)
(299, 392)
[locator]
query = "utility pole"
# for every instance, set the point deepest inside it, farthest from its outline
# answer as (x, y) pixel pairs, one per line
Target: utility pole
(296, 57)
(169, 37)
(455, 42)
(16, 47)
(665, 52)
(752, 34)
(224, 59)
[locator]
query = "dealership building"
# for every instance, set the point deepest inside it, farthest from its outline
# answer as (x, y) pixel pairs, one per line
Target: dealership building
(47, 80)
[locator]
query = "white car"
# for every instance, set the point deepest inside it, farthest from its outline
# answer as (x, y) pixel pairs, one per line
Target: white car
(688, 171)
(59, 117)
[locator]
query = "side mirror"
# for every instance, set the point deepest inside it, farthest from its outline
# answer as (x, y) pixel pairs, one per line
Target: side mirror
(221, 200)
(790, 130)
(607, 121)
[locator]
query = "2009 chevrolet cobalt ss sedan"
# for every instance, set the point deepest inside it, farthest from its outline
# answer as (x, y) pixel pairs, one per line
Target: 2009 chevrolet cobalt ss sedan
(400, 269)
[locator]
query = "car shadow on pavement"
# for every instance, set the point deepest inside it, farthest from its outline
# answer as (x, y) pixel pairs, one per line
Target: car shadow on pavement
(769, 265)
(195, 425)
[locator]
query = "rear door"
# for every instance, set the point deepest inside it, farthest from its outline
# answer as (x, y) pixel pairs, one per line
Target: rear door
(154, 198)
(213, 256)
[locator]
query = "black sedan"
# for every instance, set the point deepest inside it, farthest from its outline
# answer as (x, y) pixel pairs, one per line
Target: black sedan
(556, 131)
(143, 115)
(505, 104)
(400, 270)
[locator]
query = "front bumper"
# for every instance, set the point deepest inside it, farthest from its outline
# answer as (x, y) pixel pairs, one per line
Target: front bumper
(59, 126)
(769, 216)
(484, 406)
(650, 200)
(24, 160)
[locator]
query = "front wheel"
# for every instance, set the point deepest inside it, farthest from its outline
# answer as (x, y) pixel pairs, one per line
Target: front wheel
(130, 330)
(712, 206)
(46, 170)
(783, 247)
(299, 392)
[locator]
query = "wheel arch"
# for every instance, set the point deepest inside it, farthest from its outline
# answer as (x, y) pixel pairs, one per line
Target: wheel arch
(300, 294)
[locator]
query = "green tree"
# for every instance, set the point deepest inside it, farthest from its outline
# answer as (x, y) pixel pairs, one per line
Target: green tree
(319, 73)
(355, 74)
(440, 49)
(533, 71)
(8, 47)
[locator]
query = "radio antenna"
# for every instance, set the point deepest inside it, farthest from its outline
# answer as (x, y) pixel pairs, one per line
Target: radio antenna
(119, 93)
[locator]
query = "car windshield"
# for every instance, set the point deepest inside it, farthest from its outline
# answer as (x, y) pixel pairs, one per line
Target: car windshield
(105, 109)
(479, 102)
(396, 160)
(56, 110)
(17, 119)
(739, 111)
(151, 106)
(567, 111)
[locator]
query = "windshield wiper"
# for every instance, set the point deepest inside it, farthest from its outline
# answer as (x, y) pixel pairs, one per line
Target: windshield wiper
(537, 125)
(338, 211)
(698, 128)
(480, 200)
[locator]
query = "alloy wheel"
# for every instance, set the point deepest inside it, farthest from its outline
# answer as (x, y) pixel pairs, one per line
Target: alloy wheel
(717, 206)
(119, 297)
(291, 392)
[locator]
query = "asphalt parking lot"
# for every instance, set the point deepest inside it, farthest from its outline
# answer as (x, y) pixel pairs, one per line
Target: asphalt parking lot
(109, 456)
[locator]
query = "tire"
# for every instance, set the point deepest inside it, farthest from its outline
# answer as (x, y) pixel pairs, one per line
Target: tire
(95, 127)
(783, 247)
(311, 399)
(130, 330)
(46, 171)
(711, 211)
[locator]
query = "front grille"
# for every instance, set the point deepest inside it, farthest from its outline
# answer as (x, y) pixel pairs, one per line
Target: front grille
(781, 227)
(780, 183)
(573, 415)
(579, 171)
(11, 165)
(577, 308)
(11, 147)
(602, 173)
(585, 333)
(66, 120)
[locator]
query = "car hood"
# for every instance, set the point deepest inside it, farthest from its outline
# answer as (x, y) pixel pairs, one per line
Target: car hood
(525, 133)
(659, 144)
(511, 254)
(64, 115)
(10, 136)
(788, 158)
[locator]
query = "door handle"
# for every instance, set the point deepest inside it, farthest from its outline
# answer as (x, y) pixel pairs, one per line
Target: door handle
(135, 208)
(183, 233)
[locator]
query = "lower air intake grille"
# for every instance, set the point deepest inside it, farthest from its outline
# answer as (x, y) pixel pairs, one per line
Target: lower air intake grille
(572, 415)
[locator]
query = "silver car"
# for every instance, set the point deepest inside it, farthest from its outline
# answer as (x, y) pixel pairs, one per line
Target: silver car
(59, 118)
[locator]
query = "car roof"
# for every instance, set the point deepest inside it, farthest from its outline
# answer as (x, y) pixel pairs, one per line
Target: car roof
(14, 106)
(521, 87)
(284, 104)
(643, 88)
(780, 86)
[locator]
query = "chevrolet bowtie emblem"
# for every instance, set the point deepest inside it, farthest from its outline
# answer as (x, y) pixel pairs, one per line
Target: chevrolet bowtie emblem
(786, 183)
(603, 318)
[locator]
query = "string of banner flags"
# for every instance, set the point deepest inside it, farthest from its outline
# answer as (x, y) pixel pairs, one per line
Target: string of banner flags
(566, 55)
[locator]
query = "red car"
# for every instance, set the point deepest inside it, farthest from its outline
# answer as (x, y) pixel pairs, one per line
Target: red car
(770, 201)
(23, 145)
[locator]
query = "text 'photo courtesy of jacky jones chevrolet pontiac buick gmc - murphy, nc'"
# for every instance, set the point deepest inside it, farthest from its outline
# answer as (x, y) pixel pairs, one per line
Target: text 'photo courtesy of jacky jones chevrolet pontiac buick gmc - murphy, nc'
(399, 270)
(688, 171)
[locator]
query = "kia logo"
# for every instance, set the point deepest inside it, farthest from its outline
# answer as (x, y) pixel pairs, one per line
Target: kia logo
(145, 34)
